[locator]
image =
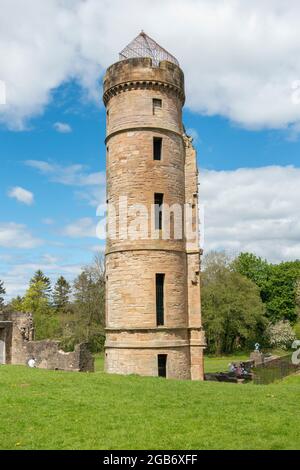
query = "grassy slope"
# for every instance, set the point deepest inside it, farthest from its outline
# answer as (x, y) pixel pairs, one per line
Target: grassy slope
(220, 363)
(42, 409)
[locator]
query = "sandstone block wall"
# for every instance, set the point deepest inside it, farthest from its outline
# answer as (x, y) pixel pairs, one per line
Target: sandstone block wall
(144, 361)
(131, 298)
(133, 340)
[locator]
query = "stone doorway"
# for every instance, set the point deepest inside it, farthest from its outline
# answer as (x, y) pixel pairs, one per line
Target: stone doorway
(2, 346)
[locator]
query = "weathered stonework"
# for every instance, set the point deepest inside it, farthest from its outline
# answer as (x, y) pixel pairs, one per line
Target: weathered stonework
(18, 346)
(133, 339)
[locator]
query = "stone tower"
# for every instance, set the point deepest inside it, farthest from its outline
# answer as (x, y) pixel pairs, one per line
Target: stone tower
(153, 320)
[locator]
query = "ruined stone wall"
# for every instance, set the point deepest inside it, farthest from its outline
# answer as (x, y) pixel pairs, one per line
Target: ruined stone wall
(197, 338)
(20, 346)
(48, 355)
(22, 333)
(6, 338)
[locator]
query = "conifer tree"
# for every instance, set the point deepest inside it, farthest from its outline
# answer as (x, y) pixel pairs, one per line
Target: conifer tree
(42, 282)
(2, 293)
(61, 294)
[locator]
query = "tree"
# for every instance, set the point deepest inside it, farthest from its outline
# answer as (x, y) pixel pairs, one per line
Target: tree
(297, 297)
(61, 295)
(2, 293)
(39, 279)
(278, 284)
(232, 310)
(282, 292)
(280, 335)
(16, 304)
(254, 268)
(214, 264)
(89, 305)
(36, 301)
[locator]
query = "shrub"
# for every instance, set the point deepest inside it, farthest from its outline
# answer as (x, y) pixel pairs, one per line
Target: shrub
(280, 334)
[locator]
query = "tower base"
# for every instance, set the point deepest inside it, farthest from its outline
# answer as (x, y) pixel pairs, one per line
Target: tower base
(155, 352)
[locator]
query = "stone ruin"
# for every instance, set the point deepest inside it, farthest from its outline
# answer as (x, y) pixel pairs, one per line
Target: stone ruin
(17, 346)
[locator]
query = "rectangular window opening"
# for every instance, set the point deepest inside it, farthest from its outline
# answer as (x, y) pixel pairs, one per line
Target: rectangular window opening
(159, 281)
(156, 104)
(157, 147)
(158, 205)
(162, 365)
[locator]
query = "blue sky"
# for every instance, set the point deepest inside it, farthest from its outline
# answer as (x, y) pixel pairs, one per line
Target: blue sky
(57, 205)
(244, 122)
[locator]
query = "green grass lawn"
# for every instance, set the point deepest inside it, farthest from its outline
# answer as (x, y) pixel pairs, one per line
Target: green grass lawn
(41, 409)
(297, 329)
(220, 363)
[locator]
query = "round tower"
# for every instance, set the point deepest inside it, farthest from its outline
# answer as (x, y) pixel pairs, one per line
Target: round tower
(151, 274)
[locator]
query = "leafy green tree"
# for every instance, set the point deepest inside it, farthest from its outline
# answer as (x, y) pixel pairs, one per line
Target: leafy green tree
(281, 291)
(61, 295)
(2, 293)
(36, 301)
(278, 284)
(44, 283)
(254, 268)
(297, 296)
(89, 305)
(232, 310)
(16, 304)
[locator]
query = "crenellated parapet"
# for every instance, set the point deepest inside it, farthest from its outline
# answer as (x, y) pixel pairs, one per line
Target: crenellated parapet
(139, 74)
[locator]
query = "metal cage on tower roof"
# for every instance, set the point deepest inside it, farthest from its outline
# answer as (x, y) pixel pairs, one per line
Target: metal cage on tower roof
(144, 46)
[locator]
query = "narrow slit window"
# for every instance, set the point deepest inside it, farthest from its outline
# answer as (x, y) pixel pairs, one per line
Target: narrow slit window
(160, 281)
(162, 365)
(158, 205)
(156, 105)
(157, 147)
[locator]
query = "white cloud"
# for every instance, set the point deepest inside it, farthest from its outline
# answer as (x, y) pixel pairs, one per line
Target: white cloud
(21, 195)
(81, 228)
(62, 127)
(252, 209)
(93, 195)
(74, 175)
(50, 259)
(98, 249)
(2, 93)
(17, 276)
(240, 58)
(14, 235)
(191, 132)
(48, 221)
